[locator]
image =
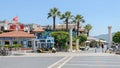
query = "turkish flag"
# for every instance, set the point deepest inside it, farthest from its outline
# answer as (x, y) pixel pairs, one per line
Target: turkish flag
(15, 19)
(12, 26)
(21, 26)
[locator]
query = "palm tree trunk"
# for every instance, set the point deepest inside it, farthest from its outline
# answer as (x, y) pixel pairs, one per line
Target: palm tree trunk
(88, 33)
(77, 28)
(66, 24)
(54, 23)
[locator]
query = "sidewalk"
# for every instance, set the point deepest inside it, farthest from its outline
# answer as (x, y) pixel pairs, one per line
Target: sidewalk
(59, 54)
(90, 52)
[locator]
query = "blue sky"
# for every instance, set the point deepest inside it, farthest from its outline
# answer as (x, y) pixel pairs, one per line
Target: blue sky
(99, 13)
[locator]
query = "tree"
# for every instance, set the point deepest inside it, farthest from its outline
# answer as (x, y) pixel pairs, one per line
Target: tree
(61, 38)
(53, 13)
(116, 37)
(77, 19)
(88, 27)
(66, 16)
(82, 38)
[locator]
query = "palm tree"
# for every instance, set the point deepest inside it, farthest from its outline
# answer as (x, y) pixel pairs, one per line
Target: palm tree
(88, 27)
(53, 13)
(66, 16)
(77, 19)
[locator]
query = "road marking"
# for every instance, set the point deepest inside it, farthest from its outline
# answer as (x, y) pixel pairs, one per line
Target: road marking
(89, 65)
(94, 61)
(65, 62)
(56, 64)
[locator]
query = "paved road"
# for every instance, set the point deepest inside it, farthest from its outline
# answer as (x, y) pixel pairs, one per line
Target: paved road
(80, 59)
(93, 62)
(27, 62)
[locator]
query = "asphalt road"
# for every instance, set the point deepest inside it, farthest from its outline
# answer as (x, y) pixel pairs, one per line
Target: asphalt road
(27, 62)
(80, 59)
(93, 62)
(111, 61)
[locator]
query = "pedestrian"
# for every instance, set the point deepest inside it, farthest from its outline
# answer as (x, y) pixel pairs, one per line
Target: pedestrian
(119, 47)
(102, 47)
(116, 46)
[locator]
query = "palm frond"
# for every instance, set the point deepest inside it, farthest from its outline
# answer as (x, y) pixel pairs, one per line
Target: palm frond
(62, 16)
(49, 15)
(79, 18)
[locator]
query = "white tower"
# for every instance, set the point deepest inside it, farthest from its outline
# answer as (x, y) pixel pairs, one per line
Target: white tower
(109, 36)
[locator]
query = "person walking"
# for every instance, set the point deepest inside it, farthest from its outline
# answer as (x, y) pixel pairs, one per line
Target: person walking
(102, 48)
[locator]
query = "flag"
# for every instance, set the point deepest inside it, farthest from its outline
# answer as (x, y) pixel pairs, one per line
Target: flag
(15, 19)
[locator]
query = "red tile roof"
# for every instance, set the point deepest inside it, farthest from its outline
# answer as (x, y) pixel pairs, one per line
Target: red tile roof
(17, 34)
(14, 30)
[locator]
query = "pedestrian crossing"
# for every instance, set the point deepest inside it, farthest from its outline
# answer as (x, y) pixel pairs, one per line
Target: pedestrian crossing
(93, 62)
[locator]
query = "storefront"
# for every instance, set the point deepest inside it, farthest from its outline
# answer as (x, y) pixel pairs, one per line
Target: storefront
(41, 41)
(16, 37)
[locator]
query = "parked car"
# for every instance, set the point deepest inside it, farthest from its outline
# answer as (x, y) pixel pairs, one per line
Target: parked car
(117, 51)
(46, 50)
(84, 48)
(113, 49)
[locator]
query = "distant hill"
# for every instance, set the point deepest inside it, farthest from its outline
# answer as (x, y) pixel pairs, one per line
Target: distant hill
(103, 36)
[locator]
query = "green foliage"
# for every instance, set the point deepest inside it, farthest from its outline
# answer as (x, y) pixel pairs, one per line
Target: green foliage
(66, 16)
(60, 36)
(6, 46)
(88, 27)
(67, 47)
(19, 45)
(74, 38)
(16, 45)
(13, 46)
(82, 38)
(78, 18)
(116, 37)
(53, 12)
